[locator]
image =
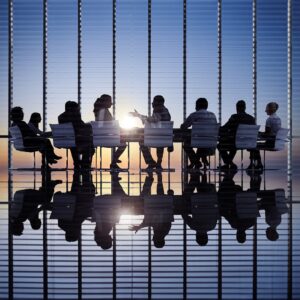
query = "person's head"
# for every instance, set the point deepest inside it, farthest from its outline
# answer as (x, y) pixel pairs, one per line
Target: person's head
(240, 106)
(158, 241)
(71, 106)
(103, 241)
(201, 103)
(106, 100)
(272, 234)
(16, 114)
(35, 223)
(271, 108)
(17, 227)
(35, 118)
(158, 100)
(202, 238)
(72, 235)
(241, 236)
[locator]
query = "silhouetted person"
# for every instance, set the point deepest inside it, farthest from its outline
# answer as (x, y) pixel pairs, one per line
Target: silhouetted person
(83, 135)
(203, 206)
(273, 124)
(158, 217)
(274, 209)
(102, 113)
(107, 213)
(228, 132)
(83, 193)
(27, 205)
(200, 115)
(34, 121)
(159, 113)
(31, 139)
(227, 197)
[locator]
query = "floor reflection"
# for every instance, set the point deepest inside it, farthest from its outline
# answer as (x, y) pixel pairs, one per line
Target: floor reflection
(150, 235)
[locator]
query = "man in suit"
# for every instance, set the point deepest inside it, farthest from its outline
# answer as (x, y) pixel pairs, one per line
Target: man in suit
(227, 135)
(200, 115)
(159, 113)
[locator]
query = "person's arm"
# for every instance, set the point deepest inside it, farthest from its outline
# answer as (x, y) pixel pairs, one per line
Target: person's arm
(136, 114)
(136, 228)
(187, 123)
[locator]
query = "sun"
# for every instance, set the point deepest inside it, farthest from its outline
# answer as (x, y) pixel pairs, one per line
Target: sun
(128, 122)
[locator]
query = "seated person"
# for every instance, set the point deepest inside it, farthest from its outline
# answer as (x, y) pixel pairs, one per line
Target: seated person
(35, 120)
(273, 124)
(102, 113)
(159, 113)
(83, 133)
(227, 135)
(31, 139)
(200, 115)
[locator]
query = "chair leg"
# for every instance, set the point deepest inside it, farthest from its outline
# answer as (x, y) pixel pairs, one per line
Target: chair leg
(264, 159)
(242, 159)
(67, 159)
(128, 155)
(169, 160)
(34, 165)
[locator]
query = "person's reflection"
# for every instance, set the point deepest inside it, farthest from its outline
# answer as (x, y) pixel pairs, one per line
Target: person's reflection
(28, 203)
(158, 210)
(81, 196)
(203, 207)
(240, 213)
(107, 213)
(274, 204)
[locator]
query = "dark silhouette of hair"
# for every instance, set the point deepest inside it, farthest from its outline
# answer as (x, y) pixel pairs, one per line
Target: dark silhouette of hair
(241, 106)
(35, 223)
(272, 234)
(202, 238)
(158, 241)
(103, 241)
(273, 105)
(17, 114)
(201, 103)
(72, 236)
(104, 101)
(71, 105)
(158, 100)
(17, 227)
(35, 117)
(241, 236)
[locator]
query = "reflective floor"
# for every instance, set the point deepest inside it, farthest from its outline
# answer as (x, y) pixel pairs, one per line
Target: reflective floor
(138, 235)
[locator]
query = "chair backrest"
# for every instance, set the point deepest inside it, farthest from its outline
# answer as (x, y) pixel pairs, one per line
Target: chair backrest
(159, 208)
(280, 201)
(246, 136)
(158, 134)
(17, 138)
(17, 204)
(106, 133)
(64, 206)
(205, 204)
(281, 139)
(106, 208)
(205, 135)
(246, 205)
(63, 135)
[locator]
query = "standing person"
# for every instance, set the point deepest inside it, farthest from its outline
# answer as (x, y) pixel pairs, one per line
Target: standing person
(102, 113)
(227, 135)
(30, 138)
(200, 115)
(159, 113)
(34, 121)
(83, 135)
